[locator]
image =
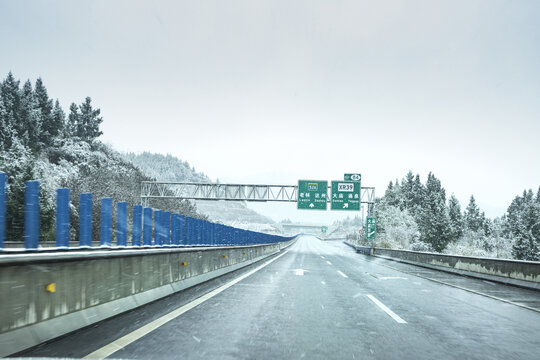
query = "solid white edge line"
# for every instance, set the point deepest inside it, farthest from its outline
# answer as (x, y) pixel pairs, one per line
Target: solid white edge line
(342, 274)
(127, 339)
(386, 310)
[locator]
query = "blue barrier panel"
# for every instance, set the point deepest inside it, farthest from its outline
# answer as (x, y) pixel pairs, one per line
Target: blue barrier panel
(105, 222)
(166, 228)
(174, 229)
(31, 215)
(62, 218)
(147, 230)
(199, 231)
(121, 224)
(187, 230)
(3, 202)
(190, 234)
(136, 231)
(157, 227)
(85, 220)
(182, 230)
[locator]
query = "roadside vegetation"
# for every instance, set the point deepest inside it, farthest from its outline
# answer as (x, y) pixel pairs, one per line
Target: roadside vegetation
(39, 141)
(418, 216)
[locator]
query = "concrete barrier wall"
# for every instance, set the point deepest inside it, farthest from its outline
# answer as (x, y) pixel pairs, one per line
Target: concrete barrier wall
(515, 272)
(43, 296)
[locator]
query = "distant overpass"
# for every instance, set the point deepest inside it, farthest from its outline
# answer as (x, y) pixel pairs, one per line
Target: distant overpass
(296, 228)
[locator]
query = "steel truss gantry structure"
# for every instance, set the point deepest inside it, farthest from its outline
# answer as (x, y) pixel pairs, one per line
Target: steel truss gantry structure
(232, 192)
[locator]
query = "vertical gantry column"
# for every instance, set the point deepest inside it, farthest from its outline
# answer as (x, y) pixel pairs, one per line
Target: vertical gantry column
(85, 220)
(62, 218)
(31, 215)
(105, 221)
(121, 224)
(3, 202)
(136, 230)
(147, 230)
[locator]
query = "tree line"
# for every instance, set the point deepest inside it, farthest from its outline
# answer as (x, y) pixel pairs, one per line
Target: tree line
(38, 141)
(419, 216)
(29, 116)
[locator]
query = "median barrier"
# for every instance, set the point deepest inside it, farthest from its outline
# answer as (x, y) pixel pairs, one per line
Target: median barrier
(48, 294)
(524, 274)
(512, 272)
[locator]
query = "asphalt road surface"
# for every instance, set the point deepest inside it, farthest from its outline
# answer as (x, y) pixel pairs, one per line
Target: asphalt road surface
(321, 300)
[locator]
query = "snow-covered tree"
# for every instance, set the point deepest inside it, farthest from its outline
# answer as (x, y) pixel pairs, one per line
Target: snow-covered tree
(29, 122)
(89, 121)
(51, 127)
(473, 218)
(434, 223)
(455, 217)
(523, 226)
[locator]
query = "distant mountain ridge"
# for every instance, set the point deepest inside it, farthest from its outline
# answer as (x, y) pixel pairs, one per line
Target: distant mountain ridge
(166, 167)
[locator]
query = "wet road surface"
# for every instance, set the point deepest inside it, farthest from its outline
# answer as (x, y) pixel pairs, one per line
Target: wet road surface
(319, 300)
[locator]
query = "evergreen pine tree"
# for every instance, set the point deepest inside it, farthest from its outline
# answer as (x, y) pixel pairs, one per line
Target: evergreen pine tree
(90, 120)
(29, 118)
(44, 105)
(58, 118)
(9, 93)
(473, 220)
(74, 126)
(392, 196)
(434, 223)
(455, 217)
(523, 225)
(407, 190)
(6, 130)
(419, 195)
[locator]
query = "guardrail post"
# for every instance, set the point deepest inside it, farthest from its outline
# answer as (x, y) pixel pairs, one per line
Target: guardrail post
(62, 218)
(105, 221)
(3, 202)
(85, 220)
(137, 226)
(121, 224)
(147, 230)
(31, 215)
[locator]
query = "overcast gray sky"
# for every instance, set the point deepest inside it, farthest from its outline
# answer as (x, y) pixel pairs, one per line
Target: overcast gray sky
(274, 91)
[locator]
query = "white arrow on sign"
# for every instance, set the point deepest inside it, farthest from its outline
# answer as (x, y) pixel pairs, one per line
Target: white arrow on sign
(346, 205)
(371, 233)
(311, 205)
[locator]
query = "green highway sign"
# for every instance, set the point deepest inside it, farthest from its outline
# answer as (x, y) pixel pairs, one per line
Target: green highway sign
(312, 194)
(323, 229)
(345, 195)
(352, 177)
(371, 228)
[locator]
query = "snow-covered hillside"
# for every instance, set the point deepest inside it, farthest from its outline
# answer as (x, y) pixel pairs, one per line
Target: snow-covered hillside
(233, 213)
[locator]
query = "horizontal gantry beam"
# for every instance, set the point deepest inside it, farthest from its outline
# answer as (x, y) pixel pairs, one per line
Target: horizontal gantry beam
(230, 192)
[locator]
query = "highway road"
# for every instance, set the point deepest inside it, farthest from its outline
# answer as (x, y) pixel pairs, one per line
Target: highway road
(321, 300)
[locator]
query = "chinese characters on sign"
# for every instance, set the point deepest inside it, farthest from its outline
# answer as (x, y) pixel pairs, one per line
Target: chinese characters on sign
(312, 194)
